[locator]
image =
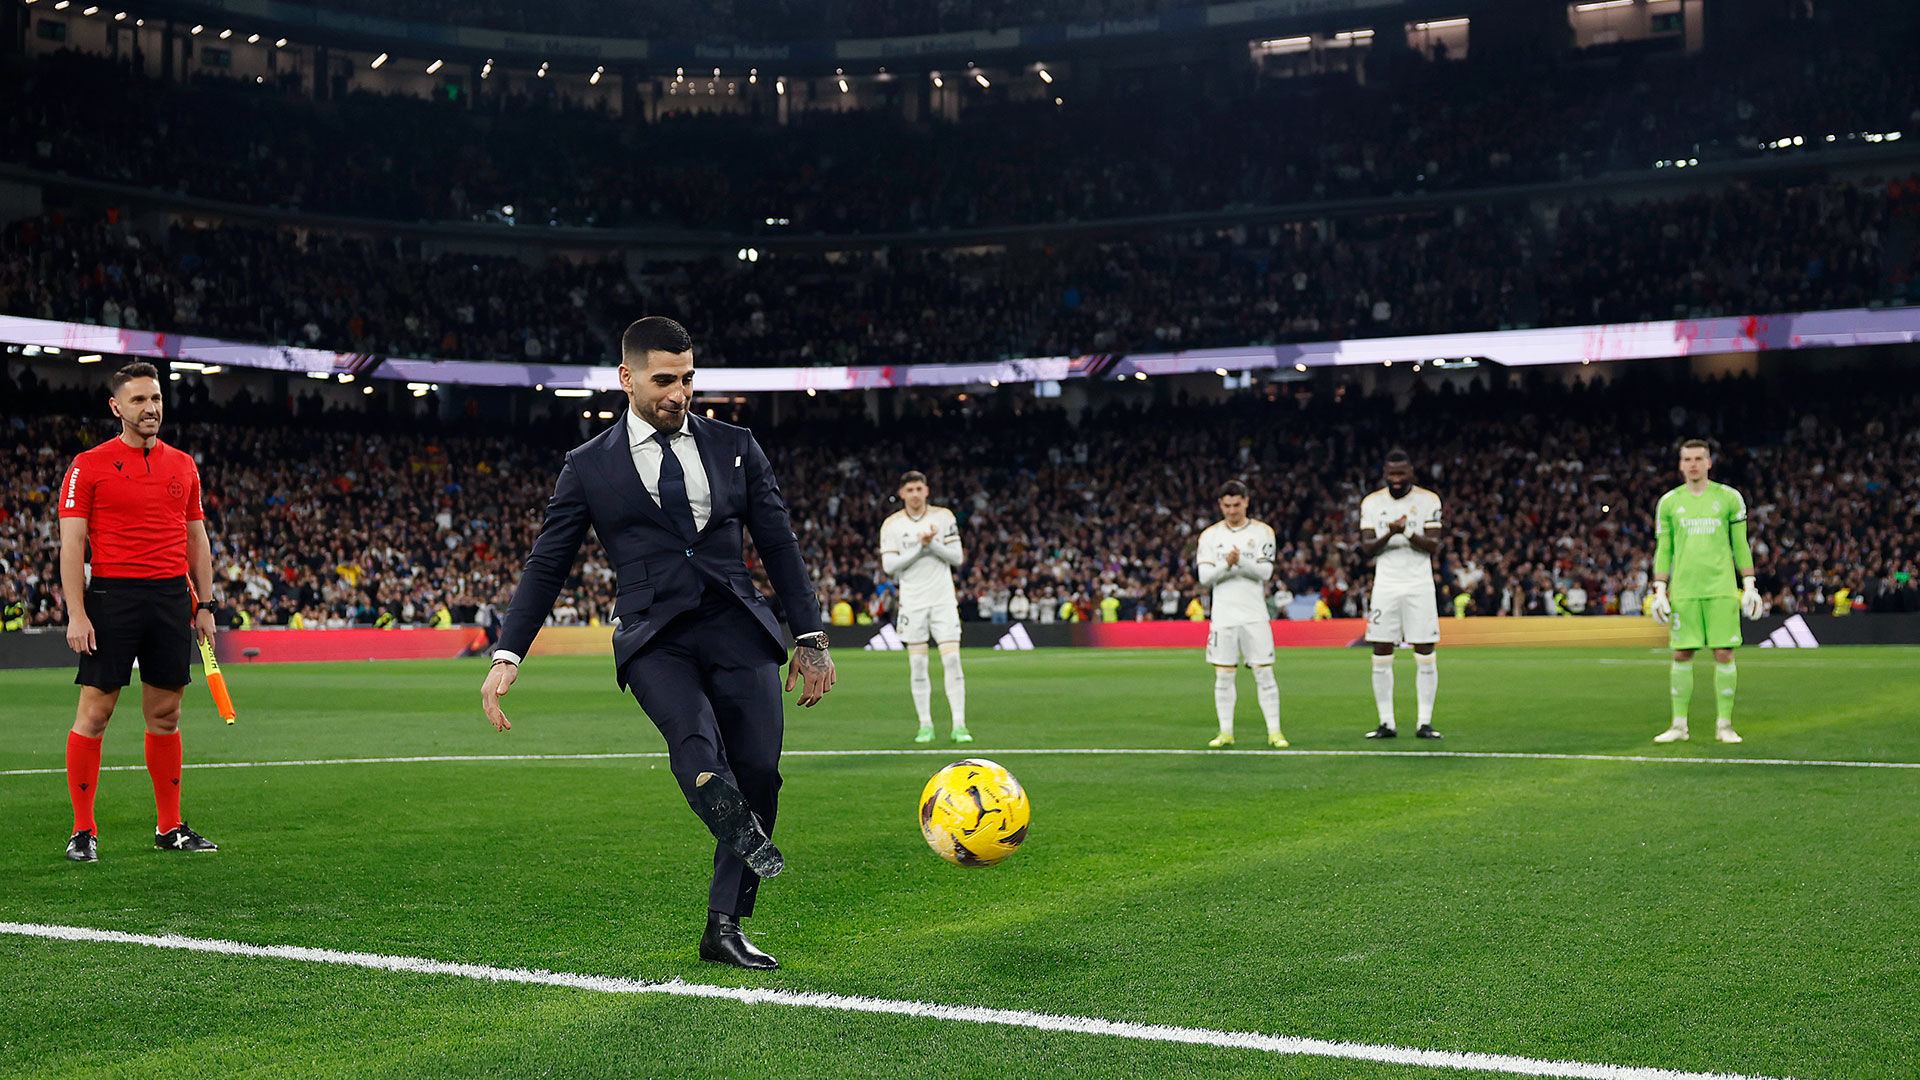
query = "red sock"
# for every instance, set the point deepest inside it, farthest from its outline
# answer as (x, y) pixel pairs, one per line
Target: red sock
(83, 777)
(163, 764)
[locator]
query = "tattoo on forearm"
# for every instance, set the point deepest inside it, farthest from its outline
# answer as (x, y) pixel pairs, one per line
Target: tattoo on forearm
(812, 662)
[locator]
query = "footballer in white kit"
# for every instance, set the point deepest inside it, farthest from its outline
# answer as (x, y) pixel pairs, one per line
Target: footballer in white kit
(1400, 531)
(1235, 559)
(919, 549)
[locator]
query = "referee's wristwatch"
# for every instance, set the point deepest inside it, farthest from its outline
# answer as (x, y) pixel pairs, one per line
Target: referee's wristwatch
(815, 640)
(206, 605)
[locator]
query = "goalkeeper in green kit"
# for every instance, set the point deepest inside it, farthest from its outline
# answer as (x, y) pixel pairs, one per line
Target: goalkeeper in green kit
(1702, 528)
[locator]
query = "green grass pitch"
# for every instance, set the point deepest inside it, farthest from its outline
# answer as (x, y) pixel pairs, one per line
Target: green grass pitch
(1753, 919)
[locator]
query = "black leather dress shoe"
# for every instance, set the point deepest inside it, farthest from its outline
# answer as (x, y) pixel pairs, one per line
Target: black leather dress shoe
(723, 943)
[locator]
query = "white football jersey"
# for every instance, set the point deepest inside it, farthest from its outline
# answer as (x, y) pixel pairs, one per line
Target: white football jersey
(924, 572)
(1401, 565)
(1239, 590)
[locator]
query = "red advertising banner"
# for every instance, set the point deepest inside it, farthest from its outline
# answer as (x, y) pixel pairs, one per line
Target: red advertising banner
(286, 646)
(1335, 633)
(1320, 633)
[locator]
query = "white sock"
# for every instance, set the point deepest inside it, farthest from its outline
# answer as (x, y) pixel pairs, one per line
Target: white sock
(956, 680)
(1224, 696)
(1426, 683)
(1383, 688)
(1268, 690)
(922, 687)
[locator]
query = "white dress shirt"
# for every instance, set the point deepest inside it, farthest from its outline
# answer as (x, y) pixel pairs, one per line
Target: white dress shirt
(646, 458)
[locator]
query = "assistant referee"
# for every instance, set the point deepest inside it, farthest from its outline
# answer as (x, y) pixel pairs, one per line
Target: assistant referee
(136, 500)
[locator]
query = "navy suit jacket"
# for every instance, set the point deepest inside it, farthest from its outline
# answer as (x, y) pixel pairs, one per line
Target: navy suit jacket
(661, 573)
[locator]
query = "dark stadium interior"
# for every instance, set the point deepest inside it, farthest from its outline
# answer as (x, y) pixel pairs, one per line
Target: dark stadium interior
(1299, 182)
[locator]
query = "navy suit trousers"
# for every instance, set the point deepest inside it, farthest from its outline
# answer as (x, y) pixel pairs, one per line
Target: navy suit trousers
(710, 681)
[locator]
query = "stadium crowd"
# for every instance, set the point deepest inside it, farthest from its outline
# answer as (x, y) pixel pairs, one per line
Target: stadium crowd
(778, 20)
(1169, 145)
(310, 287)
(1738, 251)
(351, 519)
(1549, 494)
(340, 518)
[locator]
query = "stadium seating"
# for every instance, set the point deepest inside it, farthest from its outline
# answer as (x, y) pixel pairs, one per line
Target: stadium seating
(1167, 147)
(682, 20)
(321, 289)
(1739, 251)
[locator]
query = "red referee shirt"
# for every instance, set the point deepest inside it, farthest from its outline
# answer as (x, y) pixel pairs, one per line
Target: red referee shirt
(137, 504)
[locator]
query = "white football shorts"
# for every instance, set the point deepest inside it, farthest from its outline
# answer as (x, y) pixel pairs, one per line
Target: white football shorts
(1249, 643)
(1409, 615)
(940, 624)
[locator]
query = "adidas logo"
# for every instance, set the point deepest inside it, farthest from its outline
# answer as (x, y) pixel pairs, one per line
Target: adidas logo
(1795, 634)
(888, 640)
(1016, 639)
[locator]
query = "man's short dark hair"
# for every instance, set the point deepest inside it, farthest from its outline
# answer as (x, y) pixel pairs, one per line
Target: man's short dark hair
(912, 476)
(655, 333)
(1701, 443)
(139, 369)
(1397, 456)
(1233, 487)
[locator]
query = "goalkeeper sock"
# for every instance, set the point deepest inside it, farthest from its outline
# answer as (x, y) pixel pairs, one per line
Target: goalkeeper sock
(1224, 696)
(1383, 689)
(1725, 678)
(956, 681)
(1267, 689)
(1680, 685)
(1426, 681)
(83, 778)
(163, 764)
(922, 685)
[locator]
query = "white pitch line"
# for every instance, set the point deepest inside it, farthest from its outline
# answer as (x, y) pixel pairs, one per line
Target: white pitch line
(1139, 752)
(1079, 1025)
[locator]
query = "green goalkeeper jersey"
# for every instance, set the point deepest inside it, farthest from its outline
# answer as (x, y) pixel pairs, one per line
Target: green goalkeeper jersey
(1702, 540)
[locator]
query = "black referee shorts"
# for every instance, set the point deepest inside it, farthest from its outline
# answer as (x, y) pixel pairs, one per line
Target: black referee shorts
(147, 619)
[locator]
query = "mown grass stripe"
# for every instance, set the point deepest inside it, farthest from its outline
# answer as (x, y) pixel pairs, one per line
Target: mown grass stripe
(1004, 752)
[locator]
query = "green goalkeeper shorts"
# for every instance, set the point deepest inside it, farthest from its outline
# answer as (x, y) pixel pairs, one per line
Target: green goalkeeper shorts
(1705, 624)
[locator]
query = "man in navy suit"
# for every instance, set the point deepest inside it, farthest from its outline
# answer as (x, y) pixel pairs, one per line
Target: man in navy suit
(667, 493)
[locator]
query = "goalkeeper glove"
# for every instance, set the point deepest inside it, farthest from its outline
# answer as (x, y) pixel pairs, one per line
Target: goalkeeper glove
(1658, 606)
(1750, 603)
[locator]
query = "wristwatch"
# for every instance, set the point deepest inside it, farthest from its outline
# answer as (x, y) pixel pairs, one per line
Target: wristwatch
(815, 640)
(205, 605)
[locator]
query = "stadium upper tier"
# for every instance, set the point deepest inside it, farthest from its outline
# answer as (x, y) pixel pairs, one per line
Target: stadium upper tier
(1737, 251)
(1155, 145)
(345, 515)
(783, 20)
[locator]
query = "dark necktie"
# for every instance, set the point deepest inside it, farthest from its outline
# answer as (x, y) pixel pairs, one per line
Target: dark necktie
(673, 486)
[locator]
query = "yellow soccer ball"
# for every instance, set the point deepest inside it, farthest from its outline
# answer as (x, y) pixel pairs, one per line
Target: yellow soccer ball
(974, 813)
